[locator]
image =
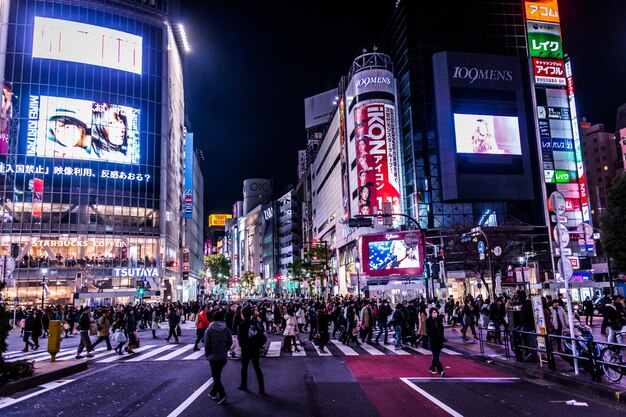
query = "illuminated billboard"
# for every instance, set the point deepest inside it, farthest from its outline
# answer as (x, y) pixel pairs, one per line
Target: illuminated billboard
(544, 40)
(6, 113)
(549, 71)
(81, 129)
(393, 254)
(377, 158)
(542, 10)
(486, 134)
(79, 42)
(219, 220)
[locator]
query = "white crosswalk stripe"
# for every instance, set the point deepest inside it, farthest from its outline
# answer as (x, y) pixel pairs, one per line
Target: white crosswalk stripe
(175, 353)
(344, 349)
(150, 354)
(194, 355)
(273, 351)
(118, 357)
(371, 349)
(320, 353)
(450, 352)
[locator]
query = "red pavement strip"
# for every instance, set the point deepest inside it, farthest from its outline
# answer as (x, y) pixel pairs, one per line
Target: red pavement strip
(380, 379)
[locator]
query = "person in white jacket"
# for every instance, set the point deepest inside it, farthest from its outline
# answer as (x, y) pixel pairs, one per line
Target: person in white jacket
(559, 320)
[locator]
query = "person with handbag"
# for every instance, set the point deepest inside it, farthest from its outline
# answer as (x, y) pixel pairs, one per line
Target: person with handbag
(104, 323)
(290, 331)
(172, 320)
(251, 338)
(203, 324)
(217, 342)
(154, 324)
(323, 320)
(84, 325)
(119, 333)
(131, 330)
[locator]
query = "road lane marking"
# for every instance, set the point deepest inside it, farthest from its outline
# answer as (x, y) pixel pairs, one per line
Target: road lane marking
(194, 355)
(344, 349)
(174, 353)
(420, 350)
(191, 399)
(371, 349)
(5, 402)
(450, 352)
(274, 350)
(432, 399)
(118, 357)
(150, 354)
(320, 353)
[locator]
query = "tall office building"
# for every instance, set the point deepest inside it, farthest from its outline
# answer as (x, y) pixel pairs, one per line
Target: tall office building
(91, 171)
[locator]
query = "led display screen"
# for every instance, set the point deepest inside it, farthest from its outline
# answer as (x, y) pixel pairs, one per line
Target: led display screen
(487, 134)
(81, 129)
(393, 254)
(79, 42)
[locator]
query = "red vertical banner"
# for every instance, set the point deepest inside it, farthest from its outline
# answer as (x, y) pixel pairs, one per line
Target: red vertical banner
(37, 197)
(376, 153)
(6, 113)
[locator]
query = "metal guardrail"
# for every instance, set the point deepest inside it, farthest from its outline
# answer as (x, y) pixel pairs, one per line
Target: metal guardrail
(588, 357)
(504, 337)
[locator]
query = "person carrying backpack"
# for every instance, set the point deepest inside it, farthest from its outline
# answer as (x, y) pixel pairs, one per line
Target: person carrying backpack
(217, 341)
(251, 339)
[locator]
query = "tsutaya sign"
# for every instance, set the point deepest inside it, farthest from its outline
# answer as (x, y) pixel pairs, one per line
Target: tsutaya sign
(136, 272)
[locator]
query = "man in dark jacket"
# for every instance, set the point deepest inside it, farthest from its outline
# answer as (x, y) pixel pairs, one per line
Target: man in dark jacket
(588, 311)
(383, 314)
(84, 324)
(217, 342)
(172, 321)
(250, 348)
(434, 330)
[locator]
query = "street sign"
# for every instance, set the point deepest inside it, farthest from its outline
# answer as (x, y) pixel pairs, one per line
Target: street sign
(497, 251)
(481, 247)
(16, 300)
(557, 203)
(481, 256)
(561, 235)
(565, 268)
(143, 278)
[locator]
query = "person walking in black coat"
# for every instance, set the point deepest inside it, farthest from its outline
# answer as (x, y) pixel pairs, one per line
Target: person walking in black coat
(217, 342)
(434, 330)
(250, 337)
(323, 320)
(172, 319)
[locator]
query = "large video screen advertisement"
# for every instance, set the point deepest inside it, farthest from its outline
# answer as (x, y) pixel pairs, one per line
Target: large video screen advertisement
(485, 134)
(393, 254)
(81, 129)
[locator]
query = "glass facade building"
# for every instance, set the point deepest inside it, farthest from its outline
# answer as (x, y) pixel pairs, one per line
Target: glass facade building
(91, 177)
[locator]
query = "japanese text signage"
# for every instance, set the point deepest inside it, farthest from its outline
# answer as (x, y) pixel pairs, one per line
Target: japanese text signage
(549, 71)
(542, 10)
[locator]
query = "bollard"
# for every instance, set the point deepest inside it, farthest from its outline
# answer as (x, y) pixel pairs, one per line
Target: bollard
(54, 338)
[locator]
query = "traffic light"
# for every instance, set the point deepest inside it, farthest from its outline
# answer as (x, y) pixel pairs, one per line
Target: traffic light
(172, 264)
(142, 289)
(361, 222)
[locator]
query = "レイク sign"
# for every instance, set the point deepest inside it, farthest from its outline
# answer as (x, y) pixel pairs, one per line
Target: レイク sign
(136, 272)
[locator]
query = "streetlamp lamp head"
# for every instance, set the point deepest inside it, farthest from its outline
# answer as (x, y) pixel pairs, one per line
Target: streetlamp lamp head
(44, 271)
(521, 259)
(357, 263)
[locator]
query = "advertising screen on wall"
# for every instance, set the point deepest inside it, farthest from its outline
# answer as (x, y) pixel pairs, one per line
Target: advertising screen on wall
(78, 42)
(393, 254)
(82, 129)
(377, 158)
(487, 134)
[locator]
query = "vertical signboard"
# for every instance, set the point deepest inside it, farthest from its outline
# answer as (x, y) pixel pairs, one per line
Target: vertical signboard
(345, 188)
(188, 197)
(377, 158)
(37, 197)
(5, 119)
(557, 122)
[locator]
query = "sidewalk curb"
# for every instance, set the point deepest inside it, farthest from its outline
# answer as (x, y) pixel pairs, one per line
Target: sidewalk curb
(597, 389)
(41, 378)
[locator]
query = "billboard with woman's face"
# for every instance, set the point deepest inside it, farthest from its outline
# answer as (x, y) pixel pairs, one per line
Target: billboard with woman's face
(82, 129)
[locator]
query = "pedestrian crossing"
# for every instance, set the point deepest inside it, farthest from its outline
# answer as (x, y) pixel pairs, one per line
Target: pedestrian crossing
(184, 352)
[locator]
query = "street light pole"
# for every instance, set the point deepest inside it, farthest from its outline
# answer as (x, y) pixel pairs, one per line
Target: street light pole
(357, 265)
(43, 287)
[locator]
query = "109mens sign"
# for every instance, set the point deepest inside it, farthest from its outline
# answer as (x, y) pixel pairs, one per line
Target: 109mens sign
(473, 74)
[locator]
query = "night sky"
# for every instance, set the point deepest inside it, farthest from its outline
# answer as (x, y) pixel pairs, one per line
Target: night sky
(253, 63)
